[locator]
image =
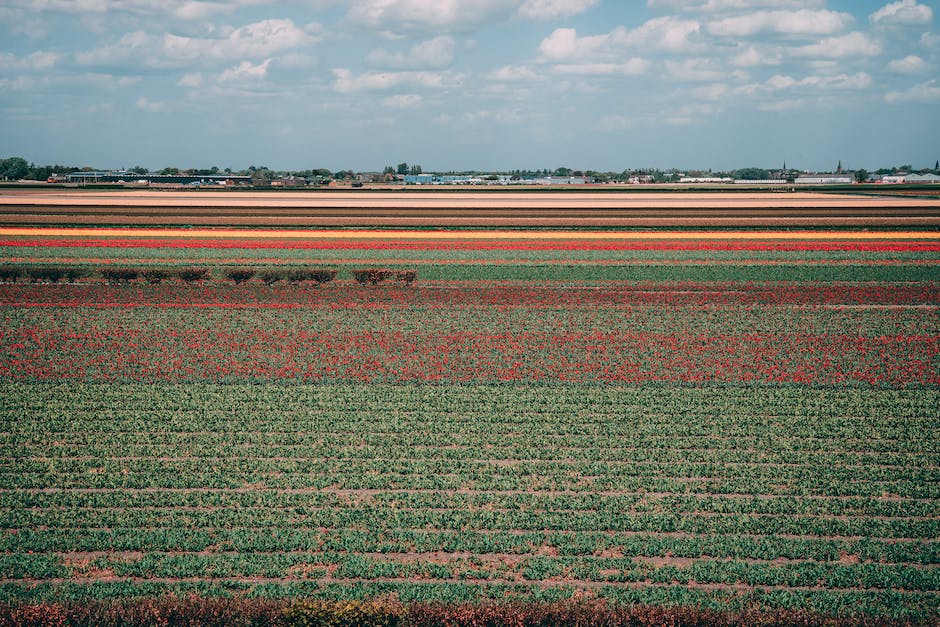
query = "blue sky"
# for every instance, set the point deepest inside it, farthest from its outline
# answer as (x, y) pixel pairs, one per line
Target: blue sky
(471, 84)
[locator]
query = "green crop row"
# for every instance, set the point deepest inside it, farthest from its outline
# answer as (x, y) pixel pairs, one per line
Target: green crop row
(514, 542)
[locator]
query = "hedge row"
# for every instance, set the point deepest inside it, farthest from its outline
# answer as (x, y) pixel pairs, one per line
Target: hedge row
(199, 611)
(54, 274)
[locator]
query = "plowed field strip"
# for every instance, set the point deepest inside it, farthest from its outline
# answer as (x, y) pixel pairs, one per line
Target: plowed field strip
(482, 262)
(520, 221)
(476, 235)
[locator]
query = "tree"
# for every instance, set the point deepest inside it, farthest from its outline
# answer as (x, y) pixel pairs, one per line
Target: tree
(861, 175)
(402, 168)
(13, 168)
(936, 167)
(752, 174)
(415, 169)
(138, 169)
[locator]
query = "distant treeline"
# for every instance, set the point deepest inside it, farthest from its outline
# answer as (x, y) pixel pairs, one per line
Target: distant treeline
(17, 168)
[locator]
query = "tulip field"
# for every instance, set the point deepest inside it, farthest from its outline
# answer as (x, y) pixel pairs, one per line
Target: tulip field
(730, 419)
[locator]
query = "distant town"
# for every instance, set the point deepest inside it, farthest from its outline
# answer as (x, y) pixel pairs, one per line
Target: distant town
(17, 169)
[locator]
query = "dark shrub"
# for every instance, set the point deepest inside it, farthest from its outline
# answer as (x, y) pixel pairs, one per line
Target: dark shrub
(240, 275)
(321, 275)
(72, 274)
(373, 276)
(270, 277)
(51, 274)
(191, 275)
(9, 274)
(298, 276)
(154, 276)
(406, 276)
(119, 275)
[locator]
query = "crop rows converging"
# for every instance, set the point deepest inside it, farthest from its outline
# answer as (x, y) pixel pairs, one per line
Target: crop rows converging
(727, 425)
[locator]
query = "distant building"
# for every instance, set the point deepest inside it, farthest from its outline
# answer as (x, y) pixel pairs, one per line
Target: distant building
(761, 182)
(894, 178)
(824, 179)
(123, 176)
(562, 180)
(922, 178)
(705, 179)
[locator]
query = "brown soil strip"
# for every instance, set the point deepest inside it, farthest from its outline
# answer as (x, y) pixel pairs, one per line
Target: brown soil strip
(274, 221)
(476, 200)
(70, 558)
(371, 492)
(473, 235)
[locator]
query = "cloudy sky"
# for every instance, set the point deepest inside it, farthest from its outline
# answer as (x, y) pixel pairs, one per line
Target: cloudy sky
(471, 84)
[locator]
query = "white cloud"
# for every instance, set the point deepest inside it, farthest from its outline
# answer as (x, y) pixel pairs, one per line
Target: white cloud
(717, 91)
(662, 33)
(616, 122)
(402, 101)
(715, 6)
(628, 68)
(513, 74)
(927, 93)
(910, 64)
(779, 82)
(39, 60)
(851, 45)
(253, 41)
(347, 82)
(564, 43)
(802, 22)
(193, 79)
(694, 70)
(789, 104)
(425, 14)
(181, 9)
(150, 106)
(903, 13)
(930, 41)
(434, 53)
(665, 33)
(554, 9)
(256, 40)
(245, 71)
(752, 57)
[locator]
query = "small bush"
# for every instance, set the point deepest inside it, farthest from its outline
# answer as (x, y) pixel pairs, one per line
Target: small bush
(72, 274)
(120, 275)
(373, 276)
(321, 275)
(406, 276)
(10, 274)
(240, 275)
(297, 276)
(270, 277)
(154, 276)
(191, 275)
(45, 275)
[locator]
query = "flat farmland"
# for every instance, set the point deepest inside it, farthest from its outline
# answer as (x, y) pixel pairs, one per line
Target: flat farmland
(739, 418)
(462, 209)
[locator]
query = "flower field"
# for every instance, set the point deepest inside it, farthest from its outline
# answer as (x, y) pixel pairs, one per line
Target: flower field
(744, 423)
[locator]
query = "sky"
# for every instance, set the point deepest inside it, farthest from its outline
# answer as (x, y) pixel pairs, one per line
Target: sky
(471, 84)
